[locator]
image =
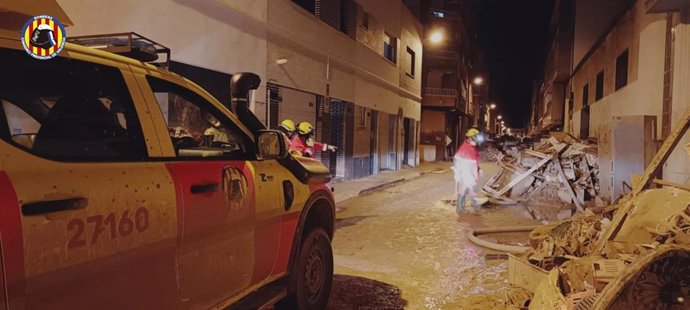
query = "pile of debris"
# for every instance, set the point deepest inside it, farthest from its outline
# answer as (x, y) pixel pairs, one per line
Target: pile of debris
(634, 254)
(489, 153)
(597, 259)
(561, 161)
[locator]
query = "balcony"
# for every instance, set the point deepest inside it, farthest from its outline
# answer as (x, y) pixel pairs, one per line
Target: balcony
(441, 92)
(440, 97)
(558, 62)
(442, 54)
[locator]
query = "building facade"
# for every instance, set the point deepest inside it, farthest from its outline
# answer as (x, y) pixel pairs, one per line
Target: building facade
(351, 68)
(550, 90)
(450, 104)
(627, 85)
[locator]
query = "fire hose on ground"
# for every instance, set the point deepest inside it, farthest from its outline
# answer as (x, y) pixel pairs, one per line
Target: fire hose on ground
(472, 235)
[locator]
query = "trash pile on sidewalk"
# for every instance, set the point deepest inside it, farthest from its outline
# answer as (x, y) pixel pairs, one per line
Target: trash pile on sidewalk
(571, 165)
(634, 254)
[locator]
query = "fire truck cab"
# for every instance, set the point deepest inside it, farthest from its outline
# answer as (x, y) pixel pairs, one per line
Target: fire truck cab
(123, 186)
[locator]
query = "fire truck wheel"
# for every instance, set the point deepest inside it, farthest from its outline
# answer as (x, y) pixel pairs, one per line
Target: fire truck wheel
(313, 272)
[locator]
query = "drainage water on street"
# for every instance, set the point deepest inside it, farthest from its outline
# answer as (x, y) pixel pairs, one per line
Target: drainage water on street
(407, 244)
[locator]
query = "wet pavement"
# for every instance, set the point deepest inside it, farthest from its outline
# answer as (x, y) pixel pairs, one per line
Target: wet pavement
(406, 248)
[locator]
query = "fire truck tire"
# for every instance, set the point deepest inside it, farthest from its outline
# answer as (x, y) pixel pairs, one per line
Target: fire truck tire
(313, 273)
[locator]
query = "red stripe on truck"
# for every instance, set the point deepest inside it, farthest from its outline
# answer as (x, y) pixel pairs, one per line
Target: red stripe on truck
(12, 242)
(288, 228)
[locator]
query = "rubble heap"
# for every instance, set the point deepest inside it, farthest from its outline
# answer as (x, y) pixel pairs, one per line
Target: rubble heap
(634, 254)
(571, 165)
(489, 153)
(598, 258)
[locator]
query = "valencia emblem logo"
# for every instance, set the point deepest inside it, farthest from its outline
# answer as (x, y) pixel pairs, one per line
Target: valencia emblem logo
(43, 37)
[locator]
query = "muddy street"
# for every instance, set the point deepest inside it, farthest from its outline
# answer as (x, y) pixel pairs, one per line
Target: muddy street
(405, 247)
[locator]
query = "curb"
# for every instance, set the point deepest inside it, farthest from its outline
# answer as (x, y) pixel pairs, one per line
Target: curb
(379, 187)
(395, 182)
(383, 186)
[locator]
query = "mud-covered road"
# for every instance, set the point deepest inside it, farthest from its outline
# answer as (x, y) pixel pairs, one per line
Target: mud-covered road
(405, 248)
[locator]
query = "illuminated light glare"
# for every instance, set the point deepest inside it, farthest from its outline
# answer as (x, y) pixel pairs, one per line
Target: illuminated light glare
(436, 37)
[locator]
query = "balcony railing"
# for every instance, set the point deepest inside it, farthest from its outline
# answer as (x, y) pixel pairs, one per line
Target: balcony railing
(440, 92)
(441, 54)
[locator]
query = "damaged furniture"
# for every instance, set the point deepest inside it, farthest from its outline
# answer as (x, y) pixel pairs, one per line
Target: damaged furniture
(569, 165)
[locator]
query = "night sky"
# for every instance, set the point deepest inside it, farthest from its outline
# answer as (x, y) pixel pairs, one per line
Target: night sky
(513, 36)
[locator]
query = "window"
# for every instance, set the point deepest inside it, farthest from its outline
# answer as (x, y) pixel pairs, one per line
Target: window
(196, 127)
(309, 5)
(585, 95)
(411, 61)
(365, 20)
(439, 14)
(348, 18)
(69, 110)
(390, 47)
(622, 70)
(599, 92)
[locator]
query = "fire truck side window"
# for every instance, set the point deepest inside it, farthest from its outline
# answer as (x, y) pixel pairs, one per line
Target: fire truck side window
(68, 110)
(196, 127)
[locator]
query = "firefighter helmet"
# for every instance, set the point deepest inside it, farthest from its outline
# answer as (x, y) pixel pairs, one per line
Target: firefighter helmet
(288, 125)
(472, 132)
(305, 128)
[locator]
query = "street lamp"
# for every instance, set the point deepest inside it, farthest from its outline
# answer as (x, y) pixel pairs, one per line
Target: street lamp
(478, 81)
(492, 106)
(436, 37)
(479, 121)
(500, 117)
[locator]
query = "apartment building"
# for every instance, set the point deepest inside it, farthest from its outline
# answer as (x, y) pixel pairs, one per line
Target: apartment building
(628, 88)
(351, 68)
(450, 103)
(550, 90)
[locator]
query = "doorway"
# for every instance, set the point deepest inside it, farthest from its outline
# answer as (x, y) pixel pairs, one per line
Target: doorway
(584, 115)
(584, 123)
(407, 133)
(373, 145)
(392, 134)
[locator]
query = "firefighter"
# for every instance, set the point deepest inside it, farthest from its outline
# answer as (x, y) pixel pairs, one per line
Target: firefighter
(467, 171)
(287, 128)
(304, 143)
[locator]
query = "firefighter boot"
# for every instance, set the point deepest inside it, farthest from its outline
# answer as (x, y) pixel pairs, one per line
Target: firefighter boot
(460, 204)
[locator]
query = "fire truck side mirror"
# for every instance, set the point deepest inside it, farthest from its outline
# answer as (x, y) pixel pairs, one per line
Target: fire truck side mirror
(270, 144)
